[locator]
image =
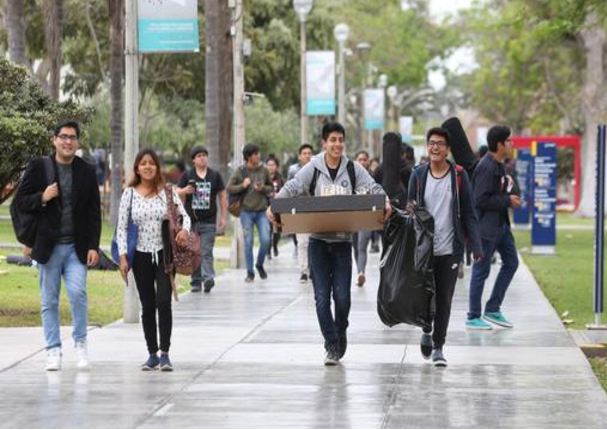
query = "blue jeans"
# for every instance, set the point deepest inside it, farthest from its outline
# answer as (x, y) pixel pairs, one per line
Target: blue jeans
(332, 263)
(63, 262)
(250, 219)
(504, 244)
(207, 232)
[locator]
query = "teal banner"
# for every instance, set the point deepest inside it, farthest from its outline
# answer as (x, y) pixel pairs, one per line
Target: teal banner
(159, 35)
(374, 125)
(320, 107)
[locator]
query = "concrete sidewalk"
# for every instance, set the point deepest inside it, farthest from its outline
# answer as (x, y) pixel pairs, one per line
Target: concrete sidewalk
(251, 356)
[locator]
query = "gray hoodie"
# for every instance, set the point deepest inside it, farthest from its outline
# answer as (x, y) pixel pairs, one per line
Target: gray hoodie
(300, 185)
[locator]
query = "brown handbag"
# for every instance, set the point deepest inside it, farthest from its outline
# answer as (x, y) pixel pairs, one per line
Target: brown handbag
(183, 260)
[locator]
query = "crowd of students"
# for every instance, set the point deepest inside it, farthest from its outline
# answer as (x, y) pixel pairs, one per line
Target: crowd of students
(468, 213)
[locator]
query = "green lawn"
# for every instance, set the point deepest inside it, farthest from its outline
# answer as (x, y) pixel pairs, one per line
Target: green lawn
(567, 277)
(564, 219)
(20, 296)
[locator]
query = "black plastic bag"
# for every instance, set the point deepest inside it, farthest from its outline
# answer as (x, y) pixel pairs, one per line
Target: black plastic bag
(406, 286)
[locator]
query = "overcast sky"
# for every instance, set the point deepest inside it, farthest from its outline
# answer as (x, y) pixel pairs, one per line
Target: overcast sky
(462, 60)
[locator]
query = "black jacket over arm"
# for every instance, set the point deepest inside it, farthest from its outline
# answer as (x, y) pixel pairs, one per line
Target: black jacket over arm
(85, 205)
(465, 222)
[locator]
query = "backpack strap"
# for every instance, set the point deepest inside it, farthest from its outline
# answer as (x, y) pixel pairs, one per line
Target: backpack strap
(352, 174)
(458, 186)
(49, 169)
(312, 188)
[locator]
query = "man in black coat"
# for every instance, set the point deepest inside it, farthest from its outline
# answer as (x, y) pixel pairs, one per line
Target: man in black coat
(67, 236)
(492, 201)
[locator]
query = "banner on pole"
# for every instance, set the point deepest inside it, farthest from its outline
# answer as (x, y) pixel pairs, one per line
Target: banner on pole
(374, 109)
(168, 26)
(320, 83)
(543, 230)
(405, 128)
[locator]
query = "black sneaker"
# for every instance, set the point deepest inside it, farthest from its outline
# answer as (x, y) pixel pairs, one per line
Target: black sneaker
(342, 344)
(332, 357)
(275, 252)
(303, 278)
(426, 346)
(250, 277)
(374, 249)
(208, 285)
(151, 363)
(438, 359)
(196, 289)
(262, 272)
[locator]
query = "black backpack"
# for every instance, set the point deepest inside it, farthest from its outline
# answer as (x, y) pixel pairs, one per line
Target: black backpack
(351, 174)
(25, 224)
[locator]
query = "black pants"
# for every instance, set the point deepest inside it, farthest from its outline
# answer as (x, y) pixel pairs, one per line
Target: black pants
(149, 270)
(445, 277)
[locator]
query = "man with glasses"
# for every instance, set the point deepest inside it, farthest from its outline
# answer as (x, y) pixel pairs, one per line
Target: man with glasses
(492, 200)
(444, 190)
(67, 236)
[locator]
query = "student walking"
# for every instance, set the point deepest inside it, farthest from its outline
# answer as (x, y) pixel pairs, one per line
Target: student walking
(67, 236)
(444, 190)
(331, 253)
(360, 240)
(201, 187)
(492, 202)
(145, 202)
(277, 182)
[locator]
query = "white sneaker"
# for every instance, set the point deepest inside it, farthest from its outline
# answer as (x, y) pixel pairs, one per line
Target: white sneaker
(53, 359)
(82, 354)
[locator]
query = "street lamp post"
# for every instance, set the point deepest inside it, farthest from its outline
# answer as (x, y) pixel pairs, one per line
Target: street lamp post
(363, 48)
(392, 92)
(341, 32)
(303, 8)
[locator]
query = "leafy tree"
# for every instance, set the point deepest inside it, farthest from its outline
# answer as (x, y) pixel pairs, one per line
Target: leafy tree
(27, 114)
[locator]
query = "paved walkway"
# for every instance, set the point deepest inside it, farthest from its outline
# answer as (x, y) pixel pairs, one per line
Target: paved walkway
(250, 356)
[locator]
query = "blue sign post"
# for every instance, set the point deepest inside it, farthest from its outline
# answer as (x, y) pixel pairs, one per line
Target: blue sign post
(599, 236)
(524, 162)
(543, 229)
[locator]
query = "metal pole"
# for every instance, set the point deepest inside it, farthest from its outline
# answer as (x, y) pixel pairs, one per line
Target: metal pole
(131, 134)
(599, 241)
(341, 95)
(237, 245)
(302, 54)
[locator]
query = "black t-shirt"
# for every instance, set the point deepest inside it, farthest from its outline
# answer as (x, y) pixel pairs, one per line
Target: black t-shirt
(333, 172)
(201, 205)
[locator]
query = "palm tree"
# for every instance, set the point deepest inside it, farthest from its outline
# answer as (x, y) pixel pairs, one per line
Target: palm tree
(15, 25)
(116, 8)
(53, 26)
(218, 82)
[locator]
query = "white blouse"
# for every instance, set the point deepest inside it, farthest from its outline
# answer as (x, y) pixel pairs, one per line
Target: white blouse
(147, 213)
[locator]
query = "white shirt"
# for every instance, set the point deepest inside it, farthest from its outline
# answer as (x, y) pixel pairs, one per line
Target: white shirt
(147, 213)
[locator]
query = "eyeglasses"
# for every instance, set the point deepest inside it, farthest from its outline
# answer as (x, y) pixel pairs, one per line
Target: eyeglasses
(441, 144)
(68, 137)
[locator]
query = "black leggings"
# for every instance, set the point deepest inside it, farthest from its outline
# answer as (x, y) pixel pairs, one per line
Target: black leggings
(445, 277)
(146, 271)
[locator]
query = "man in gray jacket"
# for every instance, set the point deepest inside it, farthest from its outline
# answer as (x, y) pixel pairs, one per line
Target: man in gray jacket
(330, 172)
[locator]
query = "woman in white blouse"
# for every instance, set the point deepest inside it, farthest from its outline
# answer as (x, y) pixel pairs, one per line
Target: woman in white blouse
(146, 200)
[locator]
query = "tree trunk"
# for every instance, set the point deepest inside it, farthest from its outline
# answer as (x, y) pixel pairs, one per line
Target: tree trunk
(15, 25)
(594, 108)
(218, 84)
(116, 8)
(53, 31)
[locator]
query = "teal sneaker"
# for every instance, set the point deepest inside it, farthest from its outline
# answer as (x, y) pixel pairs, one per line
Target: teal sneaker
(477, 324)
(497, 318)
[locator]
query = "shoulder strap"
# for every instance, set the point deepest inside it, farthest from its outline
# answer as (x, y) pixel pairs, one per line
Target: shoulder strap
(244, 171)
(458, 176)
(49, 169)
(352, 174)
(312, 189)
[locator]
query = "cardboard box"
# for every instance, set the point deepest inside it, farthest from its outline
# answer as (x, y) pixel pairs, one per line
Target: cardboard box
(326, 214)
